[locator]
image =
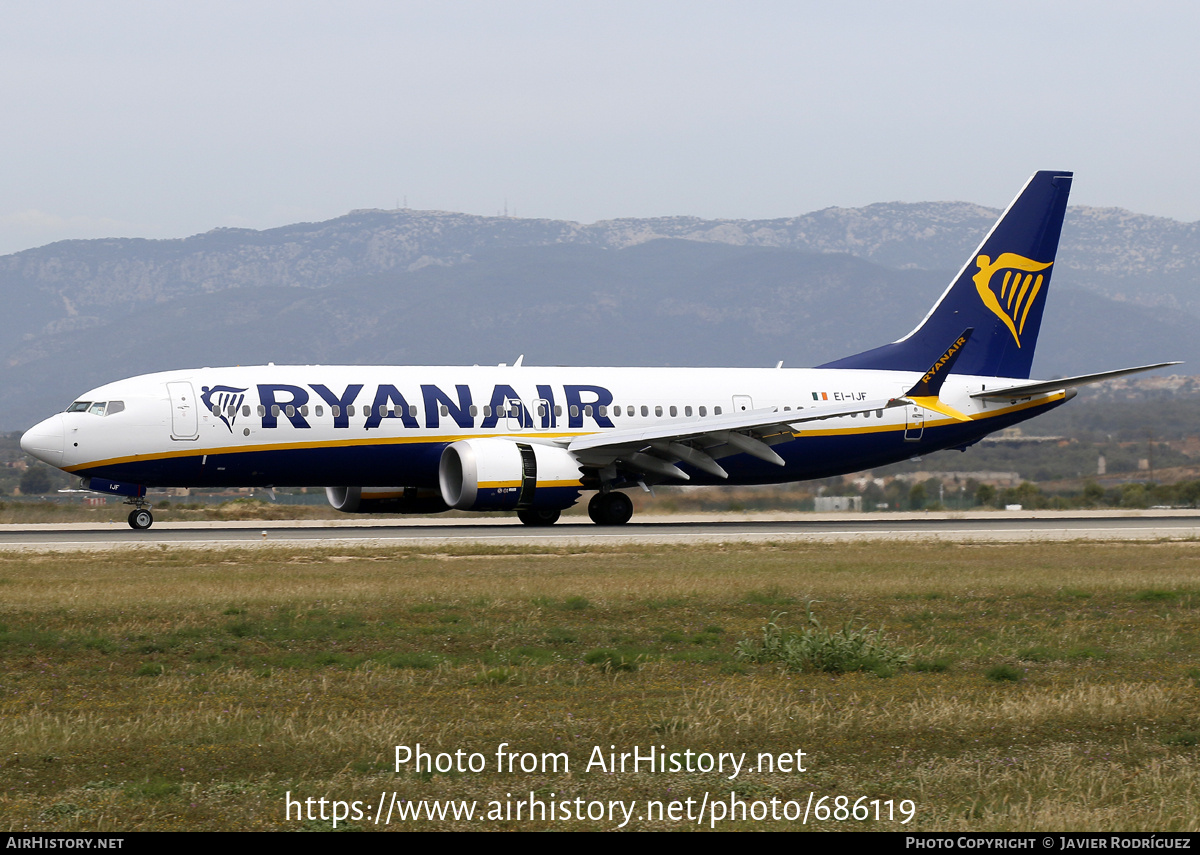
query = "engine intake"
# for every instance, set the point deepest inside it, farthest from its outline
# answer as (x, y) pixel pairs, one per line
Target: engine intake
(504, 475)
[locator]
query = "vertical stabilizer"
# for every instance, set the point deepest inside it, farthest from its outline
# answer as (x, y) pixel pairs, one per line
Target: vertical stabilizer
(1000, 292)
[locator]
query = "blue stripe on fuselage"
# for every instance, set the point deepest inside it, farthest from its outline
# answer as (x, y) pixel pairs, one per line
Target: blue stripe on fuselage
(415, 464)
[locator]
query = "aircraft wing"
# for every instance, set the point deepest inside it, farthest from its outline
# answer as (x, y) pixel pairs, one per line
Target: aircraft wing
(656, 450)
(1025, 389)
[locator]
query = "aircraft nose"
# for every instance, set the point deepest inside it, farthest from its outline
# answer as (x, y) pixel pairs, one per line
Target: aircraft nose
(45, 440)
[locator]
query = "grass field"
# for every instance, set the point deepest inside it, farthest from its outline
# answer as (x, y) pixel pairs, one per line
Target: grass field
(1047, 686)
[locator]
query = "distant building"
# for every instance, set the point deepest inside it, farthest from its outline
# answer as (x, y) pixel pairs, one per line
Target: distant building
(831, 504)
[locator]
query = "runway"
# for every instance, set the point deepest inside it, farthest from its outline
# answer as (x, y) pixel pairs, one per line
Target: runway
(999, 527)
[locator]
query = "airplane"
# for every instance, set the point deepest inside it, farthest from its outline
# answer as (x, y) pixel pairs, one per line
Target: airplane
(533, 440)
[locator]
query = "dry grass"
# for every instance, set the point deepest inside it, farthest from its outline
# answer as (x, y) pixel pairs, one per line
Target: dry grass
(184, 689)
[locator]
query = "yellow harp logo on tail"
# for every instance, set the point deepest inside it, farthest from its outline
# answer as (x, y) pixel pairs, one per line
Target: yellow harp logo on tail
(1012, 296)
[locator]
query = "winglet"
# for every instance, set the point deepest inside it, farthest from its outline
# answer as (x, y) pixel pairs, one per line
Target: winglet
(925, 392)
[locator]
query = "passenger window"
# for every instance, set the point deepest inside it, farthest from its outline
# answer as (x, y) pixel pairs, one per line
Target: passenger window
(474, 411)
(382, 410)
(674, 412)
(304, 411)
(703, 412)
(320, 411)
(445, 410)
(412, 410)
(487, 410)
(645, 410)
(115, 407)
(291, 411)
(335, 410)
(350, 409)
(262, 411)
(245, 409)
(603, 410)
(658, 411)
(629, 411)
(716, 411)
(687, 411)
(216, 409)
(275, 410)
(558, 410)
(587, 410)
(616, 411)
(574, 412)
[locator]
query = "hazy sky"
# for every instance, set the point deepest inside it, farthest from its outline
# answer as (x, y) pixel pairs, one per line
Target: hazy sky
(163, 119)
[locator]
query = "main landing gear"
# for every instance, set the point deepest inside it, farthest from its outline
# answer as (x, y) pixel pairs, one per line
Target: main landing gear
(140, 518)
(610, 508)
(539, 517)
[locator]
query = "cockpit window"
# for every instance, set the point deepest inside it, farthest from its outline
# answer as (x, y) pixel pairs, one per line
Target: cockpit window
(97, 408)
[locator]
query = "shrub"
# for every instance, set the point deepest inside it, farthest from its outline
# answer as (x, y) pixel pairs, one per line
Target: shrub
(817, 648)
(611, 660)
(1004, 674)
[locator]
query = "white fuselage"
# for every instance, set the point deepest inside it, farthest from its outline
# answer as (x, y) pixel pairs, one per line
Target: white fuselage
(374, 425)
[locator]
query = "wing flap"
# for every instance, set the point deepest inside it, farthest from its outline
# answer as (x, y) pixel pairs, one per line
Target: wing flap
(766, 421)
(655, 450)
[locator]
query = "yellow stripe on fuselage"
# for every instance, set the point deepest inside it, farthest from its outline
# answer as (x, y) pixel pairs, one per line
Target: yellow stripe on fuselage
(932, 402)
(977, 417)
(304, 446)
(497, 485)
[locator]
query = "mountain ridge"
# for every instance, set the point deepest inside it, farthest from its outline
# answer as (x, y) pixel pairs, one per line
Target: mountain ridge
(443, 287)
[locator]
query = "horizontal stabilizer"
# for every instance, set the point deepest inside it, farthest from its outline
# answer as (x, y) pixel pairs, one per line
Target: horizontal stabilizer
(1027, 389)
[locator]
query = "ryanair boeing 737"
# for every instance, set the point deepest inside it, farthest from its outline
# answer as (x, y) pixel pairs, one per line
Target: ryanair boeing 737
(532, 440)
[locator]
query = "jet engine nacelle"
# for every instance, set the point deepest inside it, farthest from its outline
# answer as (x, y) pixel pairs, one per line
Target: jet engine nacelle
(506, 475)
(385, 500)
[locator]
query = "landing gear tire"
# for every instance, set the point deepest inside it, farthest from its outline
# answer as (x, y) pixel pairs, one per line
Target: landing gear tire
(610, 509)
(539, 517)
(140, 519)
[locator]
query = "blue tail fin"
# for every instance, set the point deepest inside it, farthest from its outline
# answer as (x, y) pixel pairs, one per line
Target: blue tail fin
(1001, 292)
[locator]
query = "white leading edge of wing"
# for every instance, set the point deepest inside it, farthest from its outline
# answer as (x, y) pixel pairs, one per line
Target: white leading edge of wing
(700, 442)
(766, 418)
